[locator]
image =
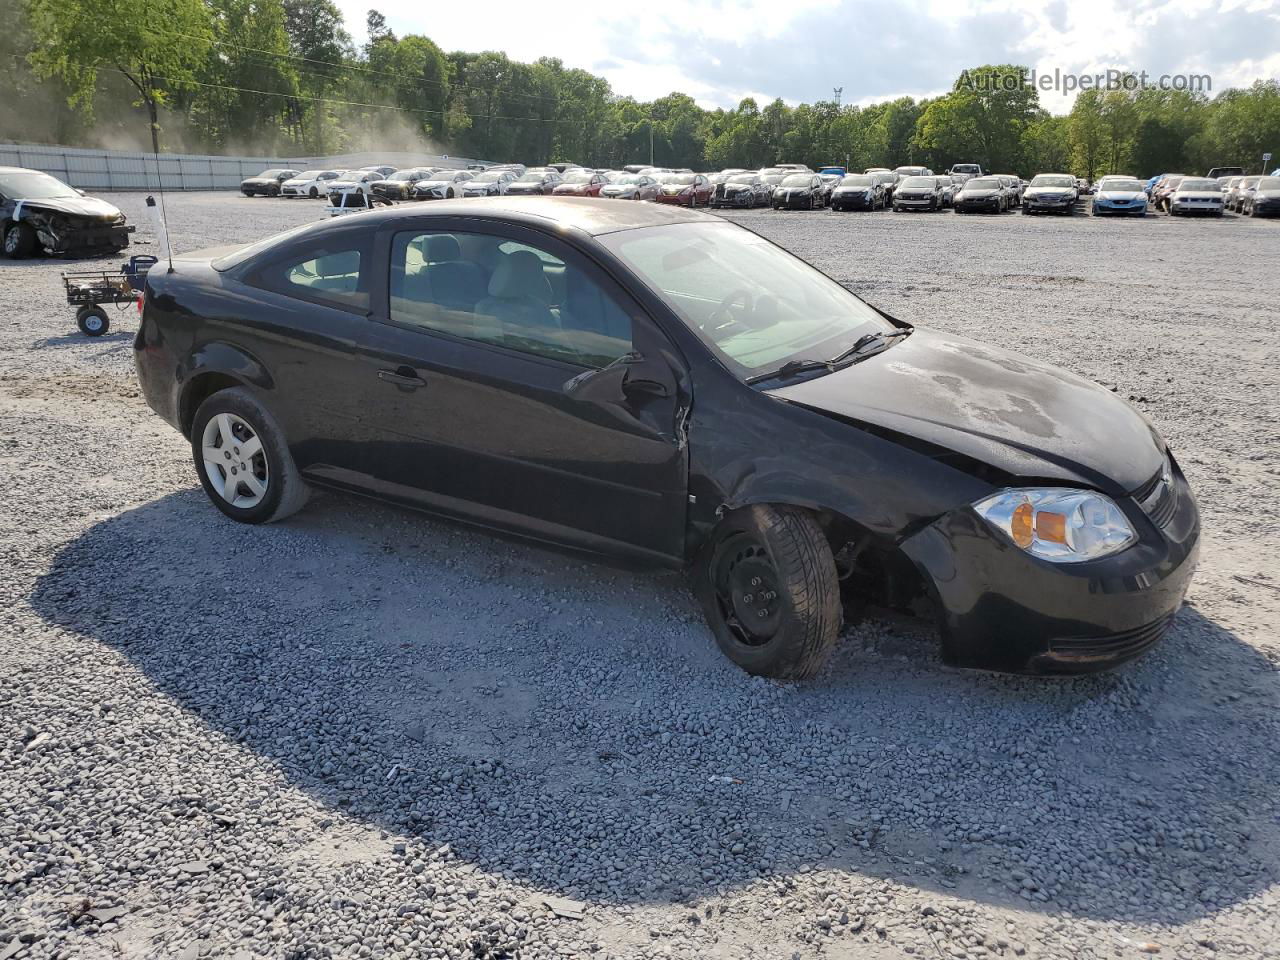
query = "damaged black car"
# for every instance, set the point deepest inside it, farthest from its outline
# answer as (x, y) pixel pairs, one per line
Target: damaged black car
(41, 214)
(655, 383)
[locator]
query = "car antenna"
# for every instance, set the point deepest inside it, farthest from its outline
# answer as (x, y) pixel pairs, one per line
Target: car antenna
(158, 215)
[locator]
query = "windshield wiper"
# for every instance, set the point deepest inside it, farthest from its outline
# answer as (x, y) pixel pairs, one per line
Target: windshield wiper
(855, 353)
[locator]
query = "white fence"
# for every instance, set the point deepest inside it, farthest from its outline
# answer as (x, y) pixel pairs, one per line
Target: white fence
(125, 170)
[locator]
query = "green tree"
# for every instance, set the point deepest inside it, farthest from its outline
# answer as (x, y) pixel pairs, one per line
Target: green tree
(157, 45)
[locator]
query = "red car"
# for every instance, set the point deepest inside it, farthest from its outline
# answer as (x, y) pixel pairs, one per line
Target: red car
(580, 183)
(686, 189)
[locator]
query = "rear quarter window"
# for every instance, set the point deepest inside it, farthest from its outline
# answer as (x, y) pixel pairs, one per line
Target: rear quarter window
(337, 275)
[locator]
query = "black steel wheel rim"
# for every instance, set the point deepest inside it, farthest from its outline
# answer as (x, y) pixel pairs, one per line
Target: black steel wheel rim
(747, 589)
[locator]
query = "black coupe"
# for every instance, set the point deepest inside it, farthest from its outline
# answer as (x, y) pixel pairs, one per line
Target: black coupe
(657, 383)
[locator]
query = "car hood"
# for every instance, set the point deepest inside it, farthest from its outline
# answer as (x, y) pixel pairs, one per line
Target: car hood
(1023, 417)
(90, 207)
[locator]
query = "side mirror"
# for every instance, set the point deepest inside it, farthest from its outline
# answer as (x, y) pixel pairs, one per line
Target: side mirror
(606, 385)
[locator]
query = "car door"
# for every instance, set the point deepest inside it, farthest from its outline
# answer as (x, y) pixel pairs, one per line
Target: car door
(464, 373)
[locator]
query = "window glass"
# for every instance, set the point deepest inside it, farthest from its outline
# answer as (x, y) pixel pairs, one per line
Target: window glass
(329, 276)
(511, 294)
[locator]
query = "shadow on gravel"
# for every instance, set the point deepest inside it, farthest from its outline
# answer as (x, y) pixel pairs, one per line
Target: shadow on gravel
(115, 340)
(572, 727)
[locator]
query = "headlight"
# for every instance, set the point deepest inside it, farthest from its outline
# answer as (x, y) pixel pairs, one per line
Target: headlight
(1059, 524)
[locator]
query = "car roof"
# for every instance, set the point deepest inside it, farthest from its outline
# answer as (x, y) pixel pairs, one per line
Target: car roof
(592, 216)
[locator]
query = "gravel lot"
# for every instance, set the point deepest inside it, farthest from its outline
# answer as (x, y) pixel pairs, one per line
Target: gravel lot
(365, 733)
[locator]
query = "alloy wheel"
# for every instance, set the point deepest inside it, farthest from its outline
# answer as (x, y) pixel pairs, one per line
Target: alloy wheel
(234, 460)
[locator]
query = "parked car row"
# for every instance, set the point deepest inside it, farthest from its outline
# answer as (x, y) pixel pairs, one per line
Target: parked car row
(964, 188)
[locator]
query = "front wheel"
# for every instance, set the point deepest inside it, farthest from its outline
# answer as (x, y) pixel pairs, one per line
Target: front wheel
(242, 459)
(19, 241)
(768, 584)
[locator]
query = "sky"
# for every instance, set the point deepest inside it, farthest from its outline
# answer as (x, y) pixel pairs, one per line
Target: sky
(719, 51)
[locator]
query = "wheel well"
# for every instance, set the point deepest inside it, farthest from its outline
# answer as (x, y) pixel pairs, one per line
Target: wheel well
(872, 568)
(199, 390)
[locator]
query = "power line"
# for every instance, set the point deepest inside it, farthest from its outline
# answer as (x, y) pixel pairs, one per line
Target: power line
(345, 103)
(331, 100)
(357, 67)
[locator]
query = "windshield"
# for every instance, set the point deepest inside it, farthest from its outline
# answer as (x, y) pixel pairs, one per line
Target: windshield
(1053, 181)
(982, 183)
(751, 302)
(33, 186)
(1198, 184)
(927, 183)
(856, 181)
(797, 180)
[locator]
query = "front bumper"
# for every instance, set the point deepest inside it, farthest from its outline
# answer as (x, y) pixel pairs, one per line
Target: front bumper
(805, 201)
(68, 239)
(1056, 205)
(993, 205)
(1207, 207)
(1120, 206)
(1003, 609)
(852, 201)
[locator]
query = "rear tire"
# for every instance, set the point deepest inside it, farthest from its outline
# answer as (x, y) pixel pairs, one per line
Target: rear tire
(271, 464)
(768, 584)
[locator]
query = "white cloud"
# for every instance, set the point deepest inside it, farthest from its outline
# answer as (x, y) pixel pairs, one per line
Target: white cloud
(875, 49)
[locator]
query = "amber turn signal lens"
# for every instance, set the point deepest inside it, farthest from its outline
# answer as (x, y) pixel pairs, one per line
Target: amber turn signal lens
(1051, 527)
(1020, 527)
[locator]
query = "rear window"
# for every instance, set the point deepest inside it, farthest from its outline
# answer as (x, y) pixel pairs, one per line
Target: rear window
(248, 252)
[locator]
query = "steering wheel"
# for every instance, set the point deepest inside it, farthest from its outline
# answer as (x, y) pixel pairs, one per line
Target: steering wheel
(723, 315)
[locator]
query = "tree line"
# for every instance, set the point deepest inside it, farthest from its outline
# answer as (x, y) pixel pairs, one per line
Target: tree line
(283, 77)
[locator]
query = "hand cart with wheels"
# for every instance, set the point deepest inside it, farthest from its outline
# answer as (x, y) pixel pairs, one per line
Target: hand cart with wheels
(87, 292)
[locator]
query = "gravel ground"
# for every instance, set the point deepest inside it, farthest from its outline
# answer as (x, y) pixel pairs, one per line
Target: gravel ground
(365, 733)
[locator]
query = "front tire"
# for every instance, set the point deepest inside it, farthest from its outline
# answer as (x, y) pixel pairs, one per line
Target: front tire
(768, 584)
(19, 241)
(243, 461)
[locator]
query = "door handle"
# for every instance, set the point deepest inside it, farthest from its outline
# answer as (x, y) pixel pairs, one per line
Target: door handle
(402, 377)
